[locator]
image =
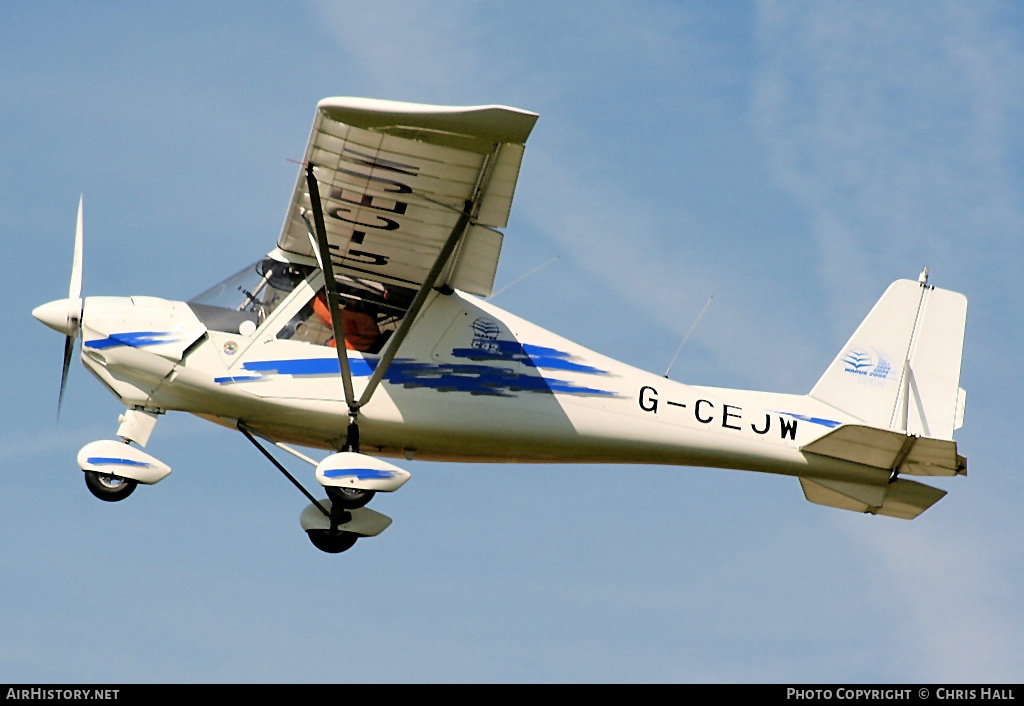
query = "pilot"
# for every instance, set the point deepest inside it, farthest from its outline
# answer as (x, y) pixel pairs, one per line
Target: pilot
(361, 331)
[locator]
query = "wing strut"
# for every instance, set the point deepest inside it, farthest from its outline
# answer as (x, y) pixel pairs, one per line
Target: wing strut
(468, 214)
(323, 256)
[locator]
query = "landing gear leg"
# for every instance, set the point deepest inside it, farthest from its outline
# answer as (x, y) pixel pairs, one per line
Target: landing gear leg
(352, 434)
(331, 540)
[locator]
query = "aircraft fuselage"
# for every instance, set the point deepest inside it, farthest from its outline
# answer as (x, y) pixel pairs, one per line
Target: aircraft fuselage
(470, 383)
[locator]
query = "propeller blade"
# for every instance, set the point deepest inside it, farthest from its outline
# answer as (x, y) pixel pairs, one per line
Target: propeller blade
(75, 306)
(69, 349)
(75, 290)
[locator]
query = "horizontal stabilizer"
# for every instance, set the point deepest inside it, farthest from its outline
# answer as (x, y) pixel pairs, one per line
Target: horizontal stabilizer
(905, 499)
(891, 450)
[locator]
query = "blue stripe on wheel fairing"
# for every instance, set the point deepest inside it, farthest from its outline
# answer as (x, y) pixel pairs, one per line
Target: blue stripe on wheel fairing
(110, 461)
(360, 473)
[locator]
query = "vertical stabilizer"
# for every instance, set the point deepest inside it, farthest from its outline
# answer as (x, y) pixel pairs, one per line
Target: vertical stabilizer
(901, 368)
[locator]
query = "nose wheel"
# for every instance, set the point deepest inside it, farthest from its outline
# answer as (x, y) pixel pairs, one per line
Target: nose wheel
(332, 541)
(113, 469)
(109, 488)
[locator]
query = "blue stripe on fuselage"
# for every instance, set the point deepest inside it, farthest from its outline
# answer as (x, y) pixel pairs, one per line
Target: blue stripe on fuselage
(813, 420)
(134, 339)
(310, 366)
(476, 379)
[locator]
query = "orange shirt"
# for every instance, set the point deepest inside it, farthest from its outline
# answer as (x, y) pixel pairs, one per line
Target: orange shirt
(361, 332)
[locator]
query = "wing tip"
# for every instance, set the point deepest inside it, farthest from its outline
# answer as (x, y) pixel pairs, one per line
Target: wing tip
(496, 122)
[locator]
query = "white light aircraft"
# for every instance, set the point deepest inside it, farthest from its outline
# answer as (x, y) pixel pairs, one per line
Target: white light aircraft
(363, 333)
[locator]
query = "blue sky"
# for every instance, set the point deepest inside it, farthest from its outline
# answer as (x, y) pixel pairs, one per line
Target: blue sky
(790, 159)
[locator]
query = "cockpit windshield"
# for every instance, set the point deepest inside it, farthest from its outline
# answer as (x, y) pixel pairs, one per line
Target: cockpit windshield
(243, 301)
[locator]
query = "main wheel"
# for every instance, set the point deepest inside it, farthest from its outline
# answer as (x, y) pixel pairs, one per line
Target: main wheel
(349, 498)
(109, 488)
(332, 541)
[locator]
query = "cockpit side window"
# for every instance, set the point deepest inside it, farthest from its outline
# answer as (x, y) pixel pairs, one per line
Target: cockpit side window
(371, 312)
(242, 302)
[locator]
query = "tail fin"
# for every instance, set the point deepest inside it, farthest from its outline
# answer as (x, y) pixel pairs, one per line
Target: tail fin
(901, 368)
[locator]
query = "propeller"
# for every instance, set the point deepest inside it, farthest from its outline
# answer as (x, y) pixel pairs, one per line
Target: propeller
(65, 315)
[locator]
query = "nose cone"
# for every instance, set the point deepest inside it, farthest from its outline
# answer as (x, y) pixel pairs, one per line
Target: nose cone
(62, 315)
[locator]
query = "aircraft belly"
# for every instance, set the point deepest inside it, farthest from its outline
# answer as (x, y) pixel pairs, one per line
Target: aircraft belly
(446, 426)
(560, 431)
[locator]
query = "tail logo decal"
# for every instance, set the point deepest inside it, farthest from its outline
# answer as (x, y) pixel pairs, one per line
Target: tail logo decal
(868, 362)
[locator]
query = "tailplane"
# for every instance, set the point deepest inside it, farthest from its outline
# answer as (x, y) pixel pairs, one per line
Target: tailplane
(904, 499)
(901, 369)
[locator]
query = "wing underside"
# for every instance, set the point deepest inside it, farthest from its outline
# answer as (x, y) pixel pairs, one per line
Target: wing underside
(394, 178)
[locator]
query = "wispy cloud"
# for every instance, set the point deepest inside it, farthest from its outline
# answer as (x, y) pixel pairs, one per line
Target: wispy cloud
(894, 127)
(642, 254)
(955, 592)
(408, 50)
(890, 125)
(446, 52)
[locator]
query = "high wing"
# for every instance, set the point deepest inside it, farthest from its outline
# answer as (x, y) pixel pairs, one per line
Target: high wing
(394, 178)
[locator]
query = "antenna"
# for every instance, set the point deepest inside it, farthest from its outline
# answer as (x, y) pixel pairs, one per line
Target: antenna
(687, 336)
(520, 279)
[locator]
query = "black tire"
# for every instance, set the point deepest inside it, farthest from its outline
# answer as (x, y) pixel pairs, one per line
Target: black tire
(332, 541)
(349, 498)
(109, 488)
